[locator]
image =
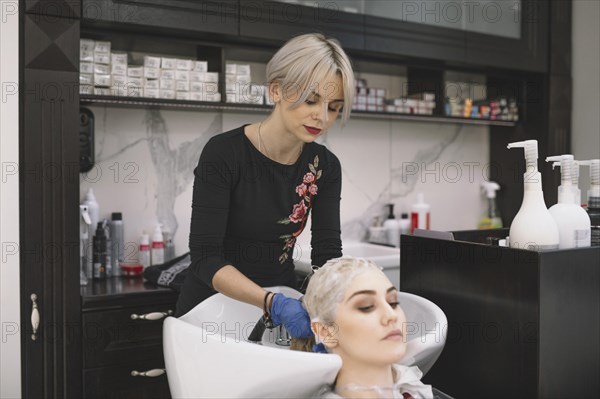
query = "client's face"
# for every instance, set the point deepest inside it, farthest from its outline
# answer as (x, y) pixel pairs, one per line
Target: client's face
(370, 323)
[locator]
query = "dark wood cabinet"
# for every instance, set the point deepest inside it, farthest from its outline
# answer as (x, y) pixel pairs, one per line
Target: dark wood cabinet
(122, 338)
(275, 22)
(49, 198)
(188, 17)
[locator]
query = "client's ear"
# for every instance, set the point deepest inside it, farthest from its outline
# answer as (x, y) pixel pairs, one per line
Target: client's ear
(326, 333)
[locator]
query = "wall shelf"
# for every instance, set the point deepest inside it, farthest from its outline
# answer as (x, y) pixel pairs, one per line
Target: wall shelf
(140, 102)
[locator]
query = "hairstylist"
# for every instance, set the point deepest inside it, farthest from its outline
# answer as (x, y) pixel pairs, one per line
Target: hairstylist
(256, 185)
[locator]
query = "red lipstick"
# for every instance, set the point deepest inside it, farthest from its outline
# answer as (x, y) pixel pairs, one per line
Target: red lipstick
(312, 130)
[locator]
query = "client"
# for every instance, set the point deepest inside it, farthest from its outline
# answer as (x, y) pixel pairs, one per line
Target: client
(355, 314)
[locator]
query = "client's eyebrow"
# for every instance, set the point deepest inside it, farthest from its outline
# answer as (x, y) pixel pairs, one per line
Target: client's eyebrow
(317, 95)
(371, 292)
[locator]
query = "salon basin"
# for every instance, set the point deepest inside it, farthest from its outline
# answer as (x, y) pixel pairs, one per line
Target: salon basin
(386, 257)
(207, 354)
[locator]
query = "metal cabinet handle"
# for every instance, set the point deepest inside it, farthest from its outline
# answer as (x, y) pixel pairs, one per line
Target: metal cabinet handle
(151, 316)
(149, 373)
(35, 316)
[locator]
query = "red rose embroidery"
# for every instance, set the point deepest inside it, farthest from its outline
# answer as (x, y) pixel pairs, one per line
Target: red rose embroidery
(298, 212)
(301, 190)
(309, 178)
(306, 190)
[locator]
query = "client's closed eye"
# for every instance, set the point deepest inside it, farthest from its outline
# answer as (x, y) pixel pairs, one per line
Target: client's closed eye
(394, 305)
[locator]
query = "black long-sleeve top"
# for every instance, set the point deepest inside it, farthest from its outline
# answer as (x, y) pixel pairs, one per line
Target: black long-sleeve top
(247, 211)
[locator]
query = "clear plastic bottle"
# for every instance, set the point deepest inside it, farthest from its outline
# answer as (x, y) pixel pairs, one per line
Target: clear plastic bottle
(169, 245)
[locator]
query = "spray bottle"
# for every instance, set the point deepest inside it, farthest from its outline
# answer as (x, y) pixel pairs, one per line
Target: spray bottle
(492, 219)
(533, 227)
(85, 267)
(572, 221)
(593, 200)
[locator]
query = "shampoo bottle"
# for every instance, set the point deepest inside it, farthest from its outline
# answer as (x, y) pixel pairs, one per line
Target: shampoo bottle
(491, 220)
(419, 215)
(572, 221)
(593, 200)
(93, 208)
(392, 229)
(533, 227)
(158, 247)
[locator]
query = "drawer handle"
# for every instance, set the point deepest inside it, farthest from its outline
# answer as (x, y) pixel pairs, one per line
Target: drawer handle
(35, 316)
(151, 316)
(149, 373)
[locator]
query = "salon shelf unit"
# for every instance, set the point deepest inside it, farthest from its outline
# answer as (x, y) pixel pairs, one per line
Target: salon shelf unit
(140, 102)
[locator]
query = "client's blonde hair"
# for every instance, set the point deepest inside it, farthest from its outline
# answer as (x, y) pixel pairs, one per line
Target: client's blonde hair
(326, 289)
(306, 59)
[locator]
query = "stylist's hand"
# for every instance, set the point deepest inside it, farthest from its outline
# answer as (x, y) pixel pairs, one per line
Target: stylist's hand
(292, 314)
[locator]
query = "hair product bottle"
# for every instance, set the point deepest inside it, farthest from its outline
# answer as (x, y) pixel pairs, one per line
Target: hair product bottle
(144, 251)
(118, 242)
(100, 253)
(158, 247)
(392, 229)
(419, 215)
(572, 221)
(491, 220)
(533, 227)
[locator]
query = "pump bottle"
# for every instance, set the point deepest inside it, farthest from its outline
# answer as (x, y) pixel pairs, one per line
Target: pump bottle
(158, 247)
(572, 221)
(593, 200)
(392, 228)
(93, 208)
(533, 227)
(492, 219)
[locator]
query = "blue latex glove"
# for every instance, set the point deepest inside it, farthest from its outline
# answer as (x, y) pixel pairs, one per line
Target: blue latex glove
(319, 348)
(292, 314)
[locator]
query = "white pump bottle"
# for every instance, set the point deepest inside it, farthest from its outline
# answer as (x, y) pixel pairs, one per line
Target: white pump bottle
(533, 227)
(573, 222)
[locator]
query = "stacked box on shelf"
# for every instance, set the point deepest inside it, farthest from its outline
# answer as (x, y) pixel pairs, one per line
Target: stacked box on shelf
(368, 98)
(499, 109)
(417, 104)
(239, 87)
(106, 73)
(86, 66)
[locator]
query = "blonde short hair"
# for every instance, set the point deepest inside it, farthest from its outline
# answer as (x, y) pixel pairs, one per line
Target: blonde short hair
(327, 287)
(306, 59)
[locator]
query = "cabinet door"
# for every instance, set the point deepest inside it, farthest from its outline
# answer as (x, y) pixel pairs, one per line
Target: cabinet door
(189, 15)
(117, 336)
(119, 382)
(277, 22)
(49, 232)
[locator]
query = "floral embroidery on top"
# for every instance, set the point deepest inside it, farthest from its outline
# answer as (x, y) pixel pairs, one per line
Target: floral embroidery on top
(306, 191)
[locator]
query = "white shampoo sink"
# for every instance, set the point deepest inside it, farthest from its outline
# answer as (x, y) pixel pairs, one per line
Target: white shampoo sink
(207, 354)
(386, 257)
